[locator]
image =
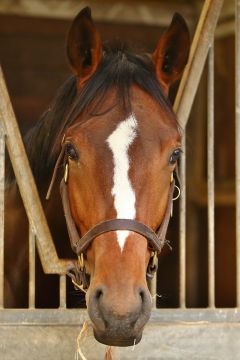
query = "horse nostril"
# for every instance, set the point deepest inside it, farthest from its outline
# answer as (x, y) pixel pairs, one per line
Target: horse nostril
(142, 294)
(145, 298)
(98, 294)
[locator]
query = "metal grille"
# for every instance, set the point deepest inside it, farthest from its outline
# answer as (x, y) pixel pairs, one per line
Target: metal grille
(237, 102)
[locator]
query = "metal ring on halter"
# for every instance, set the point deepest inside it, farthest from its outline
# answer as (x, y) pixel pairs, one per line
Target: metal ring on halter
(179, 193)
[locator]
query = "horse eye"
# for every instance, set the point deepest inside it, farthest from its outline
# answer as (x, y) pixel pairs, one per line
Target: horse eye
(175, 156)
(71, 152)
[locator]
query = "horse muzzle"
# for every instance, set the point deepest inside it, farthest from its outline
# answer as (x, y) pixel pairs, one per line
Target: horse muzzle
(117, 341)
(119, 320)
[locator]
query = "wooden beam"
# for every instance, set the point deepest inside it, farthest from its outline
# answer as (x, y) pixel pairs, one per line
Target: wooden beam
(203, 38)
(27, 187)
(225, 28)
(139, 12)
(228, 9)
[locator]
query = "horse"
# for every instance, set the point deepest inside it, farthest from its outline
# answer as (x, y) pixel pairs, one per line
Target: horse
(111, 141)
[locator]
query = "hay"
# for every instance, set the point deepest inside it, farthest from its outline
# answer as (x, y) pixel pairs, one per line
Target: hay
(108, 353)
(80, 339)
(84, 333)
(78, 286)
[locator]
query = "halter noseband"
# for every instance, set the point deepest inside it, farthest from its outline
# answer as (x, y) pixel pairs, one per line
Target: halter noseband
(156, 240)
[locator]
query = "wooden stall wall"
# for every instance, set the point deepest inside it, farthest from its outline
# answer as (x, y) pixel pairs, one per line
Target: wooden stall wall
(33, 58)
(32, 54)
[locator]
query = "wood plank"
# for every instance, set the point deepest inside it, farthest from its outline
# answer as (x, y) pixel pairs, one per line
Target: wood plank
(151, 12)
(160, 341)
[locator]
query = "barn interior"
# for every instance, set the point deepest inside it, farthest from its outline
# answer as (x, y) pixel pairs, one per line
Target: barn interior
(32, 52)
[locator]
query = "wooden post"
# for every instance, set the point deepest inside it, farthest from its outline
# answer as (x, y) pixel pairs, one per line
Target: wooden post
(203, 38)
(50, 261)
(2, 185)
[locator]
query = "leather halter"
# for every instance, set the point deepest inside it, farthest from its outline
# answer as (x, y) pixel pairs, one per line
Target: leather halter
(80, 244)
(156, 240)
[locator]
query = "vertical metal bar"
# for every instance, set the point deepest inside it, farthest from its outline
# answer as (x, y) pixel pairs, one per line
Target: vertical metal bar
(210, 166)
(182, 229)
(153, 290)
(32, 261)
(2, 185)
(62, 291)
(237, 115)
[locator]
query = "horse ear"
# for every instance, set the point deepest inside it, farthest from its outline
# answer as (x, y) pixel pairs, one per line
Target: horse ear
(84, 48)
(171, 54)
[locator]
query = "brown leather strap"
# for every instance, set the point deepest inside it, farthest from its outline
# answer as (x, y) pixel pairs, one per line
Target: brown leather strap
(120, 224)
(162, 231)
(71, 226)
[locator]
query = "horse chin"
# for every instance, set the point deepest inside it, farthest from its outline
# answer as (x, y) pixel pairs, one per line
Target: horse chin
(114, 341)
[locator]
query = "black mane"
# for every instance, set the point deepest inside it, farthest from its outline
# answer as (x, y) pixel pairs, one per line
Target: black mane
(120, 68)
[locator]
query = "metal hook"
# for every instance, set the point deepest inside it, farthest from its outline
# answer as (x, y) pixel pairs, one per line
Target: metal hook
(179, 193)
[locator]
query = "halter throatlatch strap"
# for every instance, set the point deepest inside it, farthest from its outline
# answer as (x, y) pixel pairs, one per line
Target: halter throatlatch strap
(71, 226)
(161, 232)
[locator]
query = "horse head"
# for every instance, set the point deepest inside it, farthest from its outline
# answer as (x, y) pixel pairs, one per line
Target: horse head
(120, 152)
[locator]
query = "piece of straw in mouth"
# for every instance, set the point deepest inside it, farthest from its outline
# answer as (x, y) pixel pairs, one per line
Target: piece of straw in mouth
(108, 353)
(80, 340)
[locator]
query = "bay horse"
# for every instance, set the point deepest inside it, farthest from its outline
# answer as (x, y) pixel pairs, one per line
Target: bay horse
(112, 134)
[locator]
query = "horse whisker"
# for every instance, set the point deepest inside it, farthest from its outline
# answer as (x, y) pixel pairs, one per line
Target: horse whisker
(156, 295)
(167, 242)
(134, 344)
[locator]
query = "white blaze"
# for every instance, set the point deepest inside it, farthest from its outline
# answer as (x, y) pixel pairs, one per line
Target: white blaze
(124, 197)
